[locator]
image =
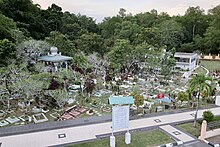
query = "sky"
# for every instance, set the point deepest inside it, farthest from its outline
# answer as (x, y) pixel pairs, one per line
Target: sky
(98, 9)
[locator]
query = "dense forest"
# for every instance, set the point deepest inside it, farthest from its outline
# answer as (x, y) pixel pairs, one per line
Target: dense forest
(25, 28)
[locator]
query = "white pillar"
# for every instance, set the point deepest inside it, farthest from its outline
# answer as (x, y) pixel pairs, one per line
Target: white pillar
(55, 67)
(112, 141)
(203, 130)
(66, 65)
(127, 138)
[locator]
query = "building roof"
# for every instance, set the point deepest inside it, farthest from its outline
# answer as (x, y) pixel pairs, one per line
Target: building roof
(121, 100)
(184, 55)
(56, 58)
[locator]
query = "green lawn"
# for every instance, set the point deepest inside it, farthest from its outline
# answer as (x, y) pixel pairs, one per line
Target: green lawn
(211, 65)
(200, 70)
(188, 127)
(139, 139)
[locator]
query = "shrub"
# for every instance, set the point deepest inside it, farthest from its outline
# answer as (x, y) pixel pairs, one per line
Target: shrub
(94, 102)
(208, 116)
(87, 100)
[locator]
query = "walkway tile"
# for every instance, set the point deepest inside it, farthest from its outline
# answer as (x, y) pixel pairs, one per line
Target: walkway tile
(177, 133)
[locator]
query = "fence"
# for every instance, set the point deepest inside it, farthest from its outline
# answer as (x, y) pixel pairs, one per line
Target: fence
(209, 57)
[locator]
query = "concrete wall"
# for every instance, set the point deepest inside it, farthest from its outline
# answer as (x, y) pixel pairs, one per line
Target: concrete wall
(212, 133)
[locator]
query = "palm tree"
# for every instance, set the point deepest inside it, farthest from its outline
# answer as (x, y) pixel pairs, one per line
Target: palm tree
(200, 83)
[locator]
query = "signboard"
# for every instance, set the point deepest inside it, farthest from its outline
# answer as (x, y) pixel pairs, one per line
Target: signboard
(120, 117)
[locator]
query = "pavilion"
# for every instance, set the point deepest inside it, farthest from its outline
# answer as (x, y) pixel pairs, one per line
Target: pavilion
(53, 61)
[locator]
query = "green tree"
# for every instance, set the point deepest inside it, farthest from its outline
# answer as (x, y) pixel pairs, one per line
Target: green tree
(194, 22)
(153, 58)
(183, 96)
(91, 42)
(18, 36)
(7, 52)
(71, 26)
(9, 76)
(138, 100)
(120, 54)
(59, 96)
(212, 35)
(62, 42)
(87, 23)
(26, 15)
(171, 33)
(200, 83)
(147, 19)
(150, 35)
(128, 30)
(30, 50)
(28, 88)
(53, 16)
(167, 64)
(6, 27)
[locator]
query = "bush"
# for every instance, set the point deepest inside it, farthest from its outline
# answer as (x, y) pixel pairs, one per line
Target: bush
(208, 116)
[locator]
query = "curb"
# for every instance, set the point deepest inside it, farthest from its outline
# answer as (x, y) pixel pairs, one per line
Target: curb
(171, 144)
(211, 144)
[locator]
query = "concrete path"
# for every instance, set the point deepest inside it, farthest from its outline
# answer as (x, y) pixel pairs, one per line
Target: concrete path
(89, 132)
(211, 133)
(181, 136)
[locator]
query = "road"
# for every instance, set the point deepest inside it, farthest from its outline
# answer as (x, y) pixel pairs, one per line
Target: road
(89, 132)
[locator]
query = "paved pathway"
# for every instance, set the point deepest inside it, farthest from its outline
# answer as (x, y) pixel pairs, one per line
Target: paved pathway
(177, 133)
(89, 132)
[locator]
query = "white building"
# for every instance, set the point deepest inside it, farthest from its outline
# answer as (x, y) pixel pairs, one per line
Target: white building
(185, 61)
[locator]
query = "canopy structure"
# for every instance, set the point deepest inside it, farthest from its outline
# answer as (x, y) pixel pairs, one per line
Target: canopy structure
(120, 100)
(54, 60)
(166, 99)
(57, 58)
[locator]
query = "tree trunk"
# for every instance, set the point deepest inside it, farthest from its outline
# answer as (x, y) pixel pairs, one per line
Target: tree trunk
(8, 105)
(3, 102)
(197, 108)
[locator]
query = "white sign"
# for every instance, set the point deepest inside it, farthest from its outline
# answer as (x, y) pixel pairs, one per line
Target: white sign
(217, 100)
(120, 117)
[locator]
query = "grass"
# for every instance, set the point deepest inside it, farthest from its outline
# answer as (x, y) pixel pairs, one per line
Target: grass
(138, 139)
(216, 118)
(200, 70)
(211, 65)
(188, 127)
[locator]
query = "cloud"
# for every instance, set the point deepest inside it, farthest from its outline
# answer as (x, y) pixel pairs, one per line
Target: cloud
(179, 9)
(99, 9)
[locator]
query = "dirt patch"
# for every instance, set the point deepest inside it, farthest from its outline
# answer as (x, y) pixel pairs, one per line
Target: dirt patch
(215, 139)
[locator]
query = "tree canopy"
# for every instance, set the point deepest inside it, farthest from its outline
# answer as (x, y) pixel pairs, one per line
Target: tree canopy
(125, 33)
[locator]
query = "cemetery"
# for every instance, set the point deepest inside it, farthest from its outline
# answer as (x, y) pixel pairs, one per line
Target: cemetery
(136, 77)
(65, 93)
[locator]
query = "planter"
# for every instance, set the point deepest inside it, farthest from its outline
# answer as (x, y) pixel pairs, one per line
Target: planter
(107, 109)
(90, 112)
(38, 118)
